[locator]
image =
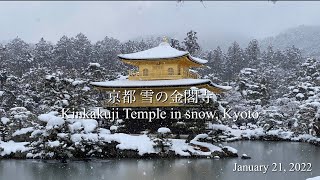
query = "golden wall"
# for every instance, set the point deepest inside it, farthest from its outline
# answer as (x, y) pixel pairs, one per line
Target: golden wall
(162, 70)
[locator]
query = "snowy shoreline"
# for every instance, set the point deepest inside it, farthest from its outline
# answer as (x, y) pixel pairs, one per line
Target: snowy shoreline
(315, 142)
(83, 139)
(55, 138)
(229, 134)
(178, 149)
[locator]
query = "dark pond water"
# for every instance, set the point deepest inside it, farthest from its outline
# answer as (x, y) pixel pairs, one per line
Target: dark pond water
(262, 153)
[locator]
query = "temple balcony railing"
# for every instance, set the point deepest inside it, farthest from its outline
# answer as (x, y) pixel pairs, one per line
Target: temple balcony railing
(157, 76)
(193, 75)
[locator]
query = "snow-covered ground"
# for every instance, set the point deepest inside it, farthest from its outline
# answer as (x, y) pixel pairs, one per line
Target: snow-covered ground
(314, 178)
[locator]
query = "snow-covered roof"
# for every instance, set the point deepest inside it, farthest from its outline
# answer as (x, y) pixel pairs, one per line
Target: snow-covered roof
(163, 51)
(157, 83)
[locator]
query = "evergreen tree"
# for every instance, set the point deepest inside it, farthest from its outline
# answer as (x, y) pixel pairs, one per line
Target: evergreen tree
(43, 53)
(252, 86)
(20, 118)
(63, 52)
(105, 53)
(234, 61)
(81, 50)
(176, 44)
(4, 128)
(162, 141)
(252, 54)
(191, 43)
(19, 56)
(130, 47)
(269, 55)
(292, 57)
(3, 57)
(218, 60)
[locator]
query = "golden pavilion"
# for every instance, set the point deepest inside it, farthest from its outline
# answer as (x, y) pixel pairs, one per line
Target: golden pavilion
(162, 73)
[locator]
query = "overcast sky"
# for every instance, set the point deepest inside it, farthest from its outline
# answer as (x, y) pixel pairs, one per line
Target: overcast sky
(126, 20)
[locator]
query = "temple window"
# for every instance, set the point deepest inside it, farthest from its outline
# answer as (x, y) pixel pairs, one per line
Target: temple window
(145, 72)
(170, 71)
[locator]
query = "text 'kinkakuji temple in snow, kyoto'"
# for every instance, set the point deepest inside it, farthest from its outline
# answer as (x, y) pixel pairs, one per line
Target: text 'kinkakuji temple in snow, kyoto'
(163, 77)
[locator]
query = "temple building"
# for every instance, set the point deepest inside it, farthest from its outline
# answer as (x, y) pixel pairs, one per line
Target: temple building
(161, 77)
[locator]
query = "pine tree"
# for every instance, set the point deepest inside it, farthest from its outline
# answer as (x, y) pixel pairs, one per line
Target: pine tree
(234, 61)
(63, 52)
(4, 128)
(252, 54)
(269, 55)
(176, 44)
(105, 53)
(292, 58)
(218, 60)
(43, 53)
(162, 141)
(81, 50)
(19, 56)
(191, 43)
(20, 118)
(50, 138)
(3, 57)
(252, 86)
(3, 78)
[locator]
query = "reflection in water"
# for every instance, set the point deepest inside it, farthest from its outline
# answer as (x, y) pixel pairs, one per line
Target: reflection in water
(262, 153)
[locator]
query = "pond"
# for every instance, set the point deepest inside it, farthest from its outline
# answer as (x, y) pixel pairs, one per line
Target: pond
(262, 153)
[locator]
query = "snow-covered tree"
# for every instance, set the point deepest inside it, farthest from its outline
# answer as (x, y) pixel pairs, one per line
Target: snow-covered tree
(81, 50)
(191, 43)
(50, 137)
(252, 86)
(43, 53)
(252, 54)
(19, 57)
(234, 61)
(292, 57)
(162, 140)
(307, 92)
(176, 44)
(63, 52)
(20, 119)
(4, 128)
(216, 62)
